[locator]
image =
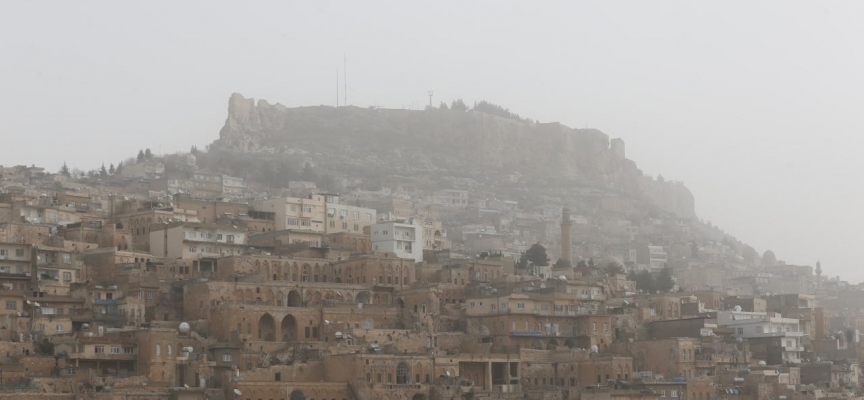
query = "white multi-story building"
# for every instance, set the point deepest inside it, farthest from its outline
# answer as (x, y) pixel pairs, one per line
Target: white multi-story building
(657, 258)
(194, 241)
(759, 325)
(347, 218)
(404, 239)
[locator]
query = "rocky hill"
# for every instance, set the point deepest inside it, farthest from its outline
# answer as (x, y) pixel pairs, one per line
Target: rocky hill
(486, 148)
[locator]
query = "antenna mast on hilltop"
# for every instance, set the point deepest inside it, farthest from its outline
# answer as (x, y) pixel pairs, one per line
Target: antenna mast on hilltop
(337, 86)
(430, 98)
(345, 79)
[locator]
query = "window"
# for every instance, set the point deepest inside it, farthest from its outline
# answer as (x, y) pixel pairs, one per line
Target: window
(226, 358)
(192, 249)
(150, 295)
(170, 350)
(58, 328)
(115, 349)
(128, 350)
(356, 215)
(662, 393)
(293, 222)
(60, 311)
(67, 258)
(343, 213)
(158, 350)
(520, 305)
(368, 216)
(99, 349)
(740, 331)
(305, 223)
(67, 276)
(308, 208)
(11, 305)
(19, 252)
(673, 393)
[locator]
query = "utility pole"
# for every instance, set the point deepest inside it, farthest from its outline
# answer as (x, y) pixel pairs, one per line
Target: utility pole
(430, 98)
(337, 87)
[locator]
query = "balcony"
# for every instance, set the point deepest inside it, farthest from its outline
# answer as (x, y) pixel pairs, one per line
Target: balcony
(105, 302)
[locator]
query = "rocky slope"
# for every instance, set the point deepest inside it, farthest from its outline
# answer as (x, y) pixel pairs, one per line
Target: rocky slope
(453, 143)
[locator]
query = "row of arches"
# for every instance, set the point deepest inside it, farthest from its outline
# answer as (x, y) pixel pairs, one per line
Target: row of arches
(277, 270)
(293, 298)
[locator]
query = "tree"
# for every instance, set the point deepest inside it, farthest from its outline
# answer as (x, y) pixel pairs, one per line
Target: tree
(750, 255)
(64, 170)
(102, 171)
(562, 264)
(523, 261)
(614, 268)
(768, 258)
(120, 168)
(645, 281)
(308, 173)
(147, 154)
(458, 105)
(111, 169)
(140, 155)
(664, 282)
(537, 255)
(581, 264)
(443, 106)
(193, 150)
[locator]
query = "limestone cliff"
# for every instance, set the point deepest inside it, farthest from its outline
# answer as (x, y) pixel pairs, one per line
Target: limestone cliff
(457, 143)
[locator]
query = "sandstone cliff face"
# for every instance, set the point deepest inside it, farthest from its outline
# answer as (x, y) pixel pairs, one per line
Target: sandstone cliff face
(443, 141)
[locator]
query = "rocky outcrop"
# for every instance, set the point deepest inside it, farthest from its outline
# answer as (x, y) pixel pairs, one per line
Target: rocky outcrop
(451, 142)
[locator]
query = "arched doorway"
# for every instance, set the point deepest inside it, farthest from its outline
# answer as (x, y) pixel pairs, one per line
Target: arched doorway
(363, 297)
(570, 343)
(297, 395)
(403, 373)
(401, 302)
(537, 345)
(553, 344)
(266, 328)
(294, 299)
(289, 329)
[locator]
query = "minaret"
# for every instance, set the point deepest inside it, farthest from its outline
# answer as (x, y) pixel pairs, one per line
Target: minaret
(818, 275)
(566, 227)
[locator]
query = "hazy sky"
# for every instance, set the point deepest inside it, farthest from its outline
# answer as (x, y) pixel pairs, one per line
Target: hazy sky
(757, 106)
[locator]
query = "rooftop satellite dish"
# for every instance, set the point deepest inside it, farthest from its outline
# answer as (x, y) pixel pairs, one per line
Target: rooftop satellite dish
(238, 392)
(737, 308)
(762, 363)
(184, 327)
(186, 386)
(448, 373)
(37, 304)
(327, 322)
(29, 302)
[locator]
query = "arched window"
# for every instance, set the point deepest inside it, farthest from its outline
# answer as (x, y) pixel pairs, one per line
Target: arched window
(158, 350)
(402, 373)
(170, 350)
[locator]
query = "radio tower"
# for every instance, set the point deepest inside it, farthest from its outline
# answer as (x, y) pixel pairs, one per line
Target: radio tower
(345, 79)
(430, 98)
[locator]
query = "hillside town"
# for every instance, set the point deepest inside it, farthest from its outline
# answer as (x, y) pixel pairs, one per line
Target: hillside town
(155, 282)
